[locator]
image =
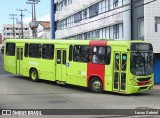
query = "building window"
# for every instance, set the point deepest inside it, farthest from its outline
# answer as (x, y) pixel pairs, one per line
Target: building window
(157, 24)
(115, 31)
(107, 33)
(103, 6)
(77, 17)
(141, 27)
(65, 22)
(84, 14)
(115, 3)
(65, 2)
(111, 32)
(93, 10)
(104, 33)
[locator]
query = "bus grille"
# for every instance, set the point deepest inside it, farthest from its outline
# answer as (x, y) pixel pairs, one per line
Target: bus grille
(143, 79)
(142, 88)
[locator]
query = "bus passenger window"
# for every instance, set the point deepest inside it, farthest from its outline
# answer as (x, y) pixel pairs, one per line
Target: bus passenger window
(101, 55)
(10, 49)
(70, 52)
(98, 55)
(81, 53)
(26, 50)
(48, 51)
(35, 50)
(108, 55)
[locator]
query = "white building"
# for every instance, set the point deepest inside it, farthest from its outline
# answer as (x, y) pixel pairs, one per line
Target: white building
(152, 24)
(95, 19)
(43, 30)
(8, 31)
(109, 19)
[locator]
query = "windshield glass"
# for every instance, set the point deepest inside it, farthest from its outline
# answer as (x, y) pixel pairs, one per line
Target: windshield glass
(142, 61)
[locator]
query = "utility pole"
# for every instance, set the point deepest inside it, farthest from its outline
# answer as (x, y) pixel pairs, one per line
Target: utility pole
(21, 10)
(13, 18)
(33, 24)
(53, 27)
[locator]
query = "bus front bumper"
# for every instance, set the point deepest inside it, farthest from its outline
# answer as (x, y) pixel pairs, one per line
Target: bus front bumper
(135, 89)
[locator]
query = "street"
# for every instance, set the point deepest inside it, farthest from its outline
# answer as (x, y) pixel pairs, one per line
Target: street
(17, 92)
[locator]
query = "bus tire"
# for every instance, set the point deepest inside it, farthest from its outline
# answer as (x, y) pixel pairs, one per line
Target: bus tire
(33, 75)
(95, 85)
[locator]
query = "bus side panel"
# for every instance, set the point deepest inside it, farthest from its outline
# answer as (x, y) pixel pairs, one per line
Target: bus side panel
(10, 64)
(108, 77)
(26, 67)
(96, 70)
(44, 67)
(47, 69)
(76, 73)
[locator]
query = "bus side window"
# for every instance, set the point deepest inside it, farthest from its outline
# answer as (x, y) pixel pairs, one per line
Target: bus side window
(26, 50)
(48, 51)
(35, 50)
(81, 53)
(108, 55)
(98, 56)
(10, 49)
(101, 55)
(70, 52)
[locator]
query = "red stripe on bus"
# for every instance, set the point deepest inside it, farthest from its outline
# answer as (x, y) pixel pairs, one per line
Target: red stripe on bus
(96, 69)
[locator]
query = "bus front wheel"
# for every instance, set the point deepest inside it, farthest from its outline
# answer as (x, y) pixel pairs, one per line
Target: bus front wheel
(34, 75)
(95, 85)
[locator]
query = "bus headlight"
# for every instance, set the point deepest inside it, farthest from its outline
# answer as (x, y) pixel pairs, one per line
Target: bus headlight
(134, 82)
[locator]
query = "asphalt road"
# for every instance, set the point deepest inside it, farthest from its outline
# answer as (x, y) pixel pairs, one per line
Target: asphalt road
(17, 92)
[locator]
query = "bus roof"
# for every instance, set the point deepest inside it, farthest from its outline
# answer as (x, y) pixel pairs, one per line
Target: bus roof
(83, 42)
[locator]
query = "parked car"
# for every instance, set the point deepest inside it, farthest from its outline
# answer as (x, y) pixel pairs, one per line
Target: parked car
(2, 50)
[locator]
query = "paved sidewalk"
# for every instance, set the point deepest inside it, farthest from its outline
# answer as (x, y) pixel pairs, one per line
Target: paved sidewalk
(157, 86)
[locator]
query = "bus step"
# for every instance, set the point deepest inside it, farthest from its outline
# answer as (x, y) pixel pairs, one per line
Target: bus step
(60, 82)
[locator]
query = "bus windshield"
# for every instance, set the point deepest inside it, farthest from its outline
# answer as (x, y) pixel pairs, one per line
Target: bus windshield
(141, 59)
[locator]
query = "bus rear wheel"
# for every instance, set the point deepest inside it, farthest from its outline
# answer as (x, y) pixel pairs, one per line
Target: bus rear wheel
(34, 75)
(95, 85)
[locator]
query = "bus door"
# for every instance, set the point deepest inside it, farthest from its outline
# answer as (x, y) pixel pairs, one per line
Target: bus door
(120, 68)
(19, 60)
(61, 64)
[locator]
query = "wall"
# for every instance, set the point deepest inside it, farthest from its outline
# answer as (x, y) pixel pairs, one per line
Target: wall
(137, 12)
(93, 25)
(151, 11)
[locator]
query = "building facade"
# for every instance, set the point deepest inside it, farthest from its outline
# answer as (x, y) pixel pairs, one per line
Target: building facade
(96, 19)
(16, 32)
(43, 30)
(109, 19)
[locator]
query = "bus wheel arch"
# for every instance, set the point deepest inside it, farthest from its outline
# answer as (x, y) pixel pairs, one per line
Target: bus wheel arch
(33, 74)
(95, 84)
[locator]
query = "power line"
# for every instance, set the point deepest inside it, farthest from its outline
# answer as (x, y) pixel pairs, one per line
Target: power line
(112, 14)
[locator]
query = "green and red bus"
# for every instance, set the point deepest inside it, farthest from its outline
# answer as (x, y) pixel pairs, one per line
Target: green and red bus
(101, 65)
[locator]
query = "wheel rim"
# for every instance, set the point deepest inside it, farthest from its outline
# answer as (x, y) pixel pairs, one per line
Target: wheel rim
(97, 85)
(34, 75)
